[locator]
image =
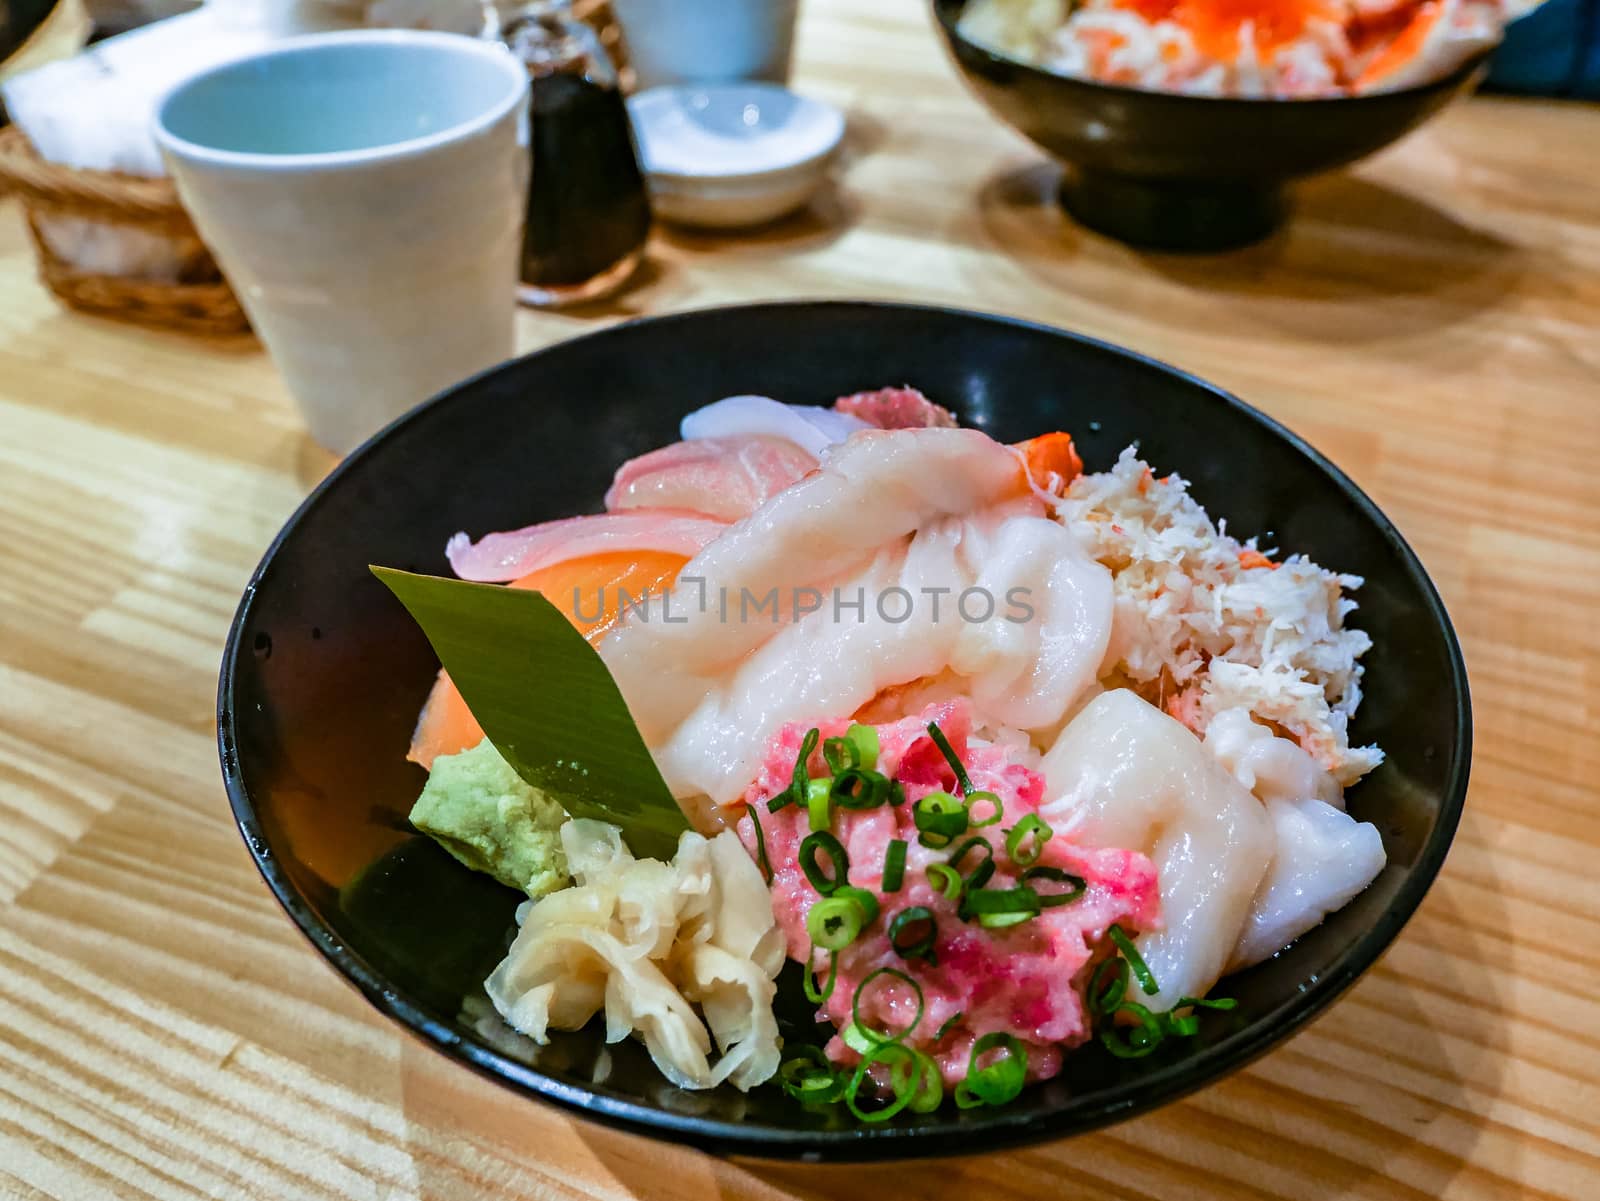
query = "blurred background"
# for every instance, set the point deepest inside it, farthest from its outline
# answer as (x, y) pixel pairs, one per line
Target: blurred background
(1554, 51)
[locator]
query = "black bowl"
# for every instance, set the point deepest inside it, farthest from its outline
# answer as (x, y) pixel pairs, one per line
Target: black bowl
(324, 674)
(1174, 172)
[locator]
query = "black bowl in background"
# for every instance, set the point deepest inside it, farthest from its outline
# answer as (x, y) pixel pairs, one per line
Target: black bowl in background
(324, 673)
(1174, 172)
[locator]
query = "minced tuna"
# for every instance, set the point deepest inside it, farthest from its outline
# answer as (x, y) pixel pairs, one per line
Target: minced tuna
(1026, 980)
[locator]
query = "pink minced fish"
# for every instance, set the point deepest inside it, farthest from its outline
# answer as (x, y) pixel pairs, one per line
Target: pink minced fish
(497, 558)
(724, 477)
(896, 409)
(1026, 980)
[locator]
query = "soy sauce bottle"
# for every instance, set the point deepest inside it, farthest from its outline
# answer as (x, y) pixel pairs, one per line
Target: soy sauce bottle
(588, 210)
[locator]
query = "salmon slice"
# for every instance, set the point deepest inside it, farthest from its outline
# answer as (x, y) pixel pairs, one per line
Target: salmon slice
(498, 558)
(1390, 64)
(588, 591)
(1216, 25)
(1439, 37)
(1052, 461)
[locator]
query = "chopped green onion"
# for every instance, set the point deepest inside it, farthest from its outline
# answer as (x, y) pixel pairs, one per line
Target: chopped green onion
(856, 750)
(816, 993)
(834, 849)
(929, 1093)
(978, 876)
(894, 865)
(950, 1021)
(863, 741)
(1141, 970)
(819, 1089)
(862, 899)
(1223, 1003)
(762, 861)
(999, 921)
(897, 793)
(912, 1075)
(819, 805)
(1104, 997)
(796, 795)
(857, 1039)
(810, 1078)
(802, 761)
(996, 908)
(860, 788)
(891, 1054)
(1018, 834)
(1108, 998)
(998, 1082)
(1139, 1040)
(855, 1004)
(940, 818)
(834, 922)
(1186, 1026)
(973, 798)
(945, 880)
(805, 1056)
(912, 933)
(926, 1087)
(1054, 874)
(838, 755)
(943, 743)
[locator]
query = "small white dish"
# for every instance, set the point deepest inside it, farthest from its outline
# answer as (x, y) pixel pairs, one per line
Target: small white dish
(734, 154)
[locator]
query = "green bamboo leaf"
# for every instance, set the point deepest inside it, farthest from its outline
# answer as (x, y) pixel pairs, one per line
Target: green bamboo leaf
(547, 701)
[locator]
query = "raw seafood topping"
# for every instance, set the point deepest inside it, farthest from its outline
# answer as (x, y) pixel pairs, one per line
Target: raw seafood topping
(1245, 48)
(995, 917)
(1006, 756)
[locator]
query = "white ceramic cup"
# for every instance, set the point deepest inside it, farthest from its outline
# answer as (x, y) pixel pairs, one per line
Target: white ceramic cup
(707, 41)
(364, 194)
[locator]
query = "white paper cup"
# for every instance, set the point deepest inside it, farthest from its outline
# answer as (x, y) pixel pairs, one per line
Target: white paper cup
(364, 194)
(707, 41)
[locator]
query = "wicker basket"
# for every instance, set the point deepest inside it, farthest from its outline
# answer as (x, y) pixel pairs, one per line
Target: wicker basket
(199, 301)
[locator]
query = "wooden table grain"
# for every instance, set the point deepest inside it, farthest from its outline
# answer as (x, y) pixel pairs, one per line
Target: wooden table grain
(1429, 320)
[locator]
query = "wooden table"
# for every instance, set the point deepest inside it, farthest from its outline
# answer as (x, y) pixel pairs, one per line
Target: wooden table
(1429, 321)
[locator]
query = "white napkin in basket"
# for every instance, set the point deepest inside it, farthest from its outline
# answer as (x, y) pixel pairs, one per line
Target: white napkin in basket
(94, 110)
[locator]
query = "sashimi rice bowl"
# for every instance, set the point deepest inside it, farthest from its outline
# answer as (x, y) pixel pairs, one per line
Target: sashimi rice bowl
(1248, 49)
(981, 761)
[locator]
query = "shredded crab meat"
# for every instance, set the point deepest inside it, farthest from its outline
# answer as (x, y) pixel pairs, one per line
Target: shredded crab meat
(1205, 623)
